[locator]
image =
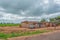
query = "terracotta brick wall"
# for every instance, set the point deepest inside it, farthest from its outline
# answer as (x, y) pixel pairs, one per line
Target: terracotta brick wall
(36, 25)
(24, 25)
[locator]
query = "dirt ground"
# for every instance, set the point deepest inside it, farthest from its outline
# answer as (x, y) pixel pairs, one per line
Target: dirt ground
(17, 29)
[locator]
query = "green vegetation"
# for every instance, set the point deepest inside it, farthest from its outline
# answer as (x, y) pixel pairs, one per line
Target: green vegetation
(52, 19)
(3, 25)
(58, 20)
(55, 20)
(43, 20)
(5, 36)
(58, 17)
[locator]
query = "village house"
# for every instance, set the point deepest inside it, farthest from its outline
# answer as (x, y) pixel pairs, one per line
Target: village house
(34, 24)
(30, 24)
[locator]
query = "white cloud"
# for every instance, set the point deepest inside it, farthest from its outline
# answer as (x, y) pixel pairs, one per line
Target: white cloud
(2, 9)
(46, 1)
(57, 1)
(24, 12)
(8, 17)
(50, 15)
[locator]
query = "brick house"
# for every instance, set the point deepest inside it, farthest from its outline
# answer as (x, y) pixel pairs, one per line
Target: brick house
(34, 24)
(28, 24)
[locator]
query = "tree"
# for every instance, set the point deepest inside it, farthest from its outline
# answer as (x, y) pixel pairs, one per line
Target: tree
(43, 20)
(52, 19)
(58, 20)
(55, 20)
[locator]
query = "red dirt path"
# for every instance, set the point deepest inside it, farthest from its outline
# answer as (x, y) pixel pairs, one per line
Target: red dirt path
(17, 29)
(37, 37)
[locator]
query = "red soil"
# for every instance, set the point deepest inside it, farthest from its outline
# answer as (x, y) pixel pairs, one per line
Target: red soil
(17, 29)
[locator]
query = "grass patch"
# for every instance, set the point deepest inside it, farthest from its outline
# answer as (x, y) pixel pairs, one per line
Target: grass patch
(5, 36)
(3, 25)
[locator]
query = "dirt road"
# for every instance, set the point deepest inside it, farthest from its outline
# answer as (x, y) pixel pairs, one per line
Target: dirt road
(52, 36)
(46, 36)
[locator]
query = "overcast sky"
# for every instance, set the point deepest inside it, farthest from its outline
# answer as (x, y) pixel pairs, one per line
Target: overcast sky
(18, 10)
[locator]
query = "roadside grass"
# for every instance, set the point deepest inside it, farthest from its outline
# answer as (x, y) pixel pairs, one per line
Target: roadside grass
(10, 35)
(4, 25)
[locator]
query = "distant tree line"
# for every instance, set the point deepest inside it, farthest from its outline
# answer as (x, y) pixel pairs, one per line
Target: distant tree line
(54, 20)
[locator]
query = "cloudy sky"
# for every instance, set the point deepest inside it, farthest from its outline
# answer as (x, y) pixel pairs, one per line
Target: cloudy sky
(19, 10)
